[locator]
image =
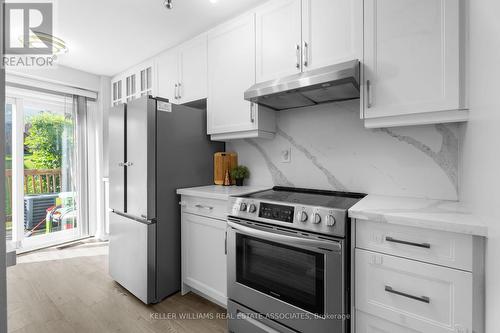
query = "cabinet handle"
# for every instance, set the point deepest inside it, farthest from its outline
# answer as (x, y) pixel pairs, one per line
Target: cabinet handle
(175, 91)
(204, 207)
(368, 94)
(125, 164)
(394, 240)
(180, 94)
(297, 53)
(225, 243)
(423, 299)
(252, 118)
(306, 54)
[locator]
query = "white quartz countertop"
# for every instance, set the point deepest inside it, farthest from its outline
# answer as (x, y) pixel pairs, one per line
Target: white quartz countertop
(220, 192)
(443, 215)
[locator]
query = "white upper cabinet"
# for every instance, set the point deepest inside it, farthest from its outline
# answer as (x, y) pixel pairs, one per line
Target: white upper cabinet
(413, 63)
(133, 83)
(182, 71)
(279, 39)
(168, 75)
(231, 70)
(332, 32)
(295, 36)
(116, 91)
(193, 70)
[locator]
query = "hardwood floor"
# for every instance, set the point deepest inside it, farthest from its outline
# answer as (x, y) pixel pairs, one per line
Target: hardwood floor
(69, 290)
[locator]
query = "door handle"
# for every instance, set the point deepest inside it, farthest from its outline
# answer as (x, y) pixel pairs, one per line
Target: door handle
(306, 54)
(286, 239)
(225, 243)
(297, 54)
(394, 240)
(423, 299)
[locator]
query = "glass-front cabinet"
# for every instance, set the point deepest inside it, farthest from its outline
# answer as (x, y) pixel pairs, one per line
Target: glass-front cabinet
(146, 81)
(132, 84)
(116, 89)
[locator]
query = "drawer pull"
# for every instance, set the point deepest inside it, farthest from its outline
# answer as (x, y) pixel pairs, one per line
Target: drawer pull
(423, 299)
(393, 240)
(204, 207)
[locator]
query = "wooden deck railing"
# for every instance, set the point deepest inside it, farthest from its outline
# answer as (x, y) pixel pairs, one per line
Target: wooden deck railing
(36, 181)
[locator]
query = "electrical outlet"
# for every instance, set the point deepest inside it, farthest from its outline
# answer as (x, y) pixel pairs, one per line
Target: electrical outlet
(286, 155)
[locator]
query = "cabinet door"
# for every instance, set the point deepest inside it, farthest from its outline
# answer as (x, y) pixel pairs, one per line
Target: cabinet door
(425, 297)
(231, 71)
(145, 81)
(331, 32)
(117, 92)
(193, 70)
(411, 57)
(168, 75)
(204, 255)
(278, 39)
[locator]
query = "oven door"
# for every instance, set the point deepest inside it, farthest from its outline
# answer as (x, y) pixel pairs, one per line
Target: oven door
(293, 278)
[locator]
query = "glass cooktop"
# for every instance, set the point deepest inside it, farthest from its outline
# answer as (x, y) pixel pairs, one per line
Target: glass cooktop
(290, 195)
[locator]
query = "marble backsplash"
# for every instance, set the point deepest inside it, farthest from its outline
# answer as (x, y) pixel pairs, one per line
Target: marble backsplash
(331, 149)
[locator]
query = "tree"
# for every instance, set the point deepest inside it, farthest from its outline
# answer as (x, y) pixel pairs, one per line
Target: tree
(44, 139)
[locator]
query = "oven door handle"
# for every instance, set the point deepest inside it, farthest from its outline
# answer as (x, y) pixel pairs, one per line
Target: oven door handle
(291, 240)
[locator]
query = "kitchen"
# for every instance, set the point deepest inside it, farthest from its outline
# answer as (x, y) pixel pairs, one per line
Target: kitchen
(363, 133)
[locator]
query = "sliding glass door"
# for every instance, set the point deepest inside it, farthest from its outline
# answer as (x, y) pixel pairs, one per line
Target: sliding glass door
(45, 175)
(10, 107)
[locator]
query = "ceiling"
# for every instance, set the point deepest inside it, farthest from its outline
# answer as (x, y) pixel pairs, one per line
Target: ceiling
(105, 37)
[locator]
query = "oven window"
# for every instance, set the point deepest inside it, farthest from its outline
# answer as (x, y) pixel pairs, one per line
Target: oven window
(291, 274)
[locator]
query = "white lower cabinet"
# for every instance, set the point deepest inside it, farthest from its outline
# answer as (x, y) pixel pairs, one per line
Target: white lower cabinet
(424, 297)
(204, 256)
(418, 280)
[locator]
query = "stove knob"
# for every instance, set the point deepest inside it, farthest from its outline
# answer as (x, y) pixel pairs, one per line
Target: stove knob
(252, 208)
(316, 219)
(243, 206)
(302, 216)
(330, 220)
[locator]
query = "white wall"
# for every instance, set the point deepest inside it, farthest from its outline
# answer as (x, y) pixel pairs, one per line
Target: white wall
(331, 149)
(481, 141)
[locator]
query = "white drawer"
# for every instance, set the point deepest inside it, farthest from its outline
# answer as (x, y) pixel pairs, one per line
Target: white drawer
(213, 208)
(437, 247)
(366, 323)
(396, 289)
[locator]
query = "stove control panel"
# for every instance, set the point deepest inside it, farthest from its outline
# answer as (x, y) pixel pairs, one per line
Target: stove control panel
(276, 212)
(309, 218)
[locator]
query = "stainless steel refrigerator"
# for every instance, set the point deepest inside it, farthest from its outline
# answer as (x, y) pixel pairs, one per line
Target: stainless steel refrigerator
(155, 147)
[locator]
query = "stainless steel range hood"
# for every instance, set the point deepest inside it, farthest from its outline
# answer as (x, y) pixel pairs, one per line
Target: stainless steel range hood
(327, 84)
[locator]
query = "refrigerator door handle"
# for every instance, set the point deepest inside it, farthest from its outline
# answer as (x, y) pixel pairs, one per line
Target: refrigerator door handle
(141, 219)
